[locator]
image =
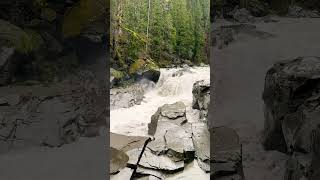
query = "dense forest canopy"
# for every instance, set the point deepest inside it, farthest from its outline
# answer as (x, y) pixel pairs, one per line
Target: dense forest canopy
(164, 31)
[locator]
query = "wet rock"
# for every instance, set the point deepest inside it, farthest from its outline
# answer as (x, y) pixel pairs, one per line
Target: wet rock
(201, 141)
(153, 161)
(145, 68)
(126, 143)
(175, 113)
(126, 97)
(173, 140)
(118, 160)
(201, 97)
(227, 155)
(291, 112)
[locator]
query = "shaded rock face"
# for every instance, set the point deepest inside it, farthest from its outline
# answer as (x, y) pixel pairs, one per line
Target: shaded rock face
(175, 113)
(292, 114)
(51, 116)
(6, 62)
(226, 148)
(291, 109)
(126, 97)
(201, 98)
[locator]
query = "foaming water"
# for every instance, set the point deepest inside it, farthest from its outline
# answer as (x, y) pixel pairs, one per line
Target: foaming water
(134, 121)
(170, 88)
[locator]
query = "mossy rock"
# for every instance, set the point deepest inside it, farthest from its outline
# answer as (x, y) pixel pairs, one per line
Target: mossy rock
(81, 15)
(137, 66)
(147, 69)
(23, 41)
(116, 74)
(116, 77)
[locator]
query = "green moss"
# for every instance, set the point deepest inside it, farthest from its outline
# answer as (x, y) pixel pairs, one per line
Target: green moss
(116, 74)
(141, 65)
(137, 66)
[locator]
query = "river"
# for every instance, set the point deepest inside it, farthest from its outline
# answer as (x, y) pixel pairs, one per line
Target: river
(169, 89)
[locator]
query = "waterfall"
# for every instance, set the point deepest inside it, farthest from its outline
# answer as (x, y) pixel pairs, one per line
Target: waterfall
(175, 84)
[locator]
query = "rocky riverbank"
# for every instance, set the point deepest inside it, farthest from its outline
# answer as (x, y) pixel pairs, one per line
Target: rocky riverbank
(179, 138)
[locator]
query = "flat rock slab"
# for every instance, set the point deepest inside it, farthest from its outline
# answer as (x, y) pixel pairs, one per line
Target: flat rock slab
(173, 140)
(126, 143)
(173, 111)
(152, 161)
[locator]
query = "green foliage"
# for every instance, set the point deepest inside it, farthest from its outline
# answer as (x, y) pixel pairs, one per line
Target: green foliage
(176, 29)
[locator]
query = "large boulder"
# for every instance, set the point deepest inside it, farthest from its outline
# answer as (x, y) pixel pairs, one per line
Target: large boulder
(175, 113)
(145, 68)
(291, 112)
(201, 97)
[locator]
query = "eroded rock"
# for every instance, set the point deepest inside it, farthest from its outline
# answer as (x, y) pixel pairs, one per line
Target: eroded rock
(201, 97)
